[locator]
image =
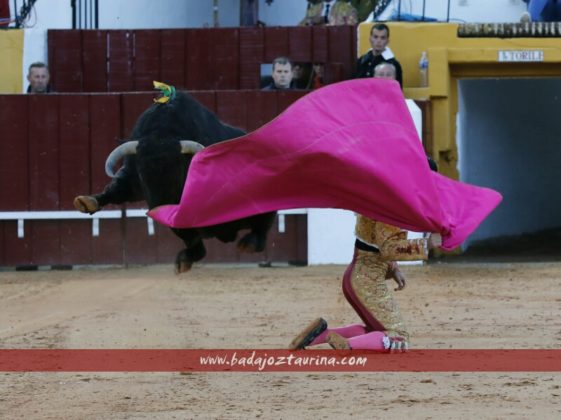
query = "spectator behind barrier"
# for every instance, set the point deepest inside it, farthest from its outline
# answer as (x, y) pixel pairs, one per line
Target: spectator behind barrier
(385, 71)
(300, 75)
(330, 12)
(364, 8)
(38, 77)
(542, 11)
(282, 75)
(379, 53)
(317, 76)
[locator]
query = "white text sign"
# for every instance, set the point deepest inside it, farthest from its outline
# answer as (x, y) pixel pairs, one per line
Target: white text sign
(520, 56)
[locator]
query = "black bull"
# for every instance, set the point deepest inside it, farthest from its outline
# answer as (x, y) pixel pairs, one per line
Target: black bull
(156, 172)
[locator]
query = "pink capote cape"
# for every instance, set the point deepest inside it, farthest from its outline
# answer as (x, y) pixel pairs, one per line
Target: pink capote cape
(350, 145)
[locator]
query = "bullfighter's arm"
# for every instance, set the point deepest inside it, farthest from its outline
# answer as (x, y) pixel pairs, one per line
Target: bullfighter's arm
(390, 240)
(396, 248)
(405, 250)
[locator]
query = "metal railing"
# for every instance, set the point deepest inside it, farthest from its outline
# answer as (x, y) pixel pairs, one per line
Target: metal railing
(21, 11)
(386, 2)
(85, 14)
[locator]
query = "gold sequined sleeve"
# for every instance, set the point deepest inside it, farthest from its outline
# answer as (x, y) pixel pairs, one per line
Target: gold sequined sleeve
(391, 241)
(343, 14)
(404, 250)
(313, 15)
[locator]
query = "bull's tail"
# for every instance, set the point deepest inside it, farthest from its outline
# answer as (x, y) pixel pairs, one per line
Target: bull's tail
(167, 92)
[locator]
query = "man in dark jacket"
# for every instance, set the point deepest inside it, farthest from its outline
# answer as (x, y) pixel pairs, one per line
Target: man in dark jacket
(38, 77)
(282, 75)
(380, 52)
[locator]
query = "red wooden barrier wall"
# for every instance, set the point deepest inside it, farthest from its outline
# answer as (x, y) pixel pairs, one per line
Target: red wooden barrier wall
(4, 13)
(14, 173)
(53, 147)
(193, 59)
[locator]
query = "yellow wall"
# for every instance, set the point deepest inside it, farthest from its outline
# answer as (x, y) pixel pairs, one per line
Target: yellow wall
(11, 46)
(450, 59)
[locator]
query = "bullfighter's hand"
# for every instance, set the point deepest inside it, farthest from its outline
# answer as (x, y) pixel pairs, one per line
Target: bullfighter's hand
(435, 240)
(395, 273)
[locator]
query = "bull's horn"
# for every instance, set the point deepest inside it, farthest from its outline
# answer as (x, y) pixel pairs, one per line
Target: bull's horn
(190, 147)
(128, 148)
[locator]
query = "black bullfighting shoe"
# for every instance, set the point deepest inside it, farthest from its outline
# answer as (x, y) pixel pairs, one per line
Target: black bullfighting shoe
(308, 334)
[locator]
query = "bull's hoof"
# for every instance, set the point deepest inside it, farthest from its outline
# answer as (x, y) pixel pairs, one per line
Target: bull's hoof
(182, 262)
(250, 244)
(182, 267)
(86, 204)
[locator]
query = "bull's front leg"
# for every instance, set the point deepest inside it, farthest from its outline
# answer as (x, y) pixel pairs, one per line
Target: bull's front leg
(256, 239)
(194, 249)
(86, 204)
(124, 187)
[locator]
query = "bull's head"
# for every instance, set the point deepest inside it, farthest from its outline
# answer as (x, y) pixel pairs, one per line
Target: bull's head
(129, 148)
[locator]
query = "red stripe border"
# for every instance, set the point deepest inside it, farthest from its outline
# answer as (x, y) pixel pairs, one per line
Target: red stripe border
(244, 360)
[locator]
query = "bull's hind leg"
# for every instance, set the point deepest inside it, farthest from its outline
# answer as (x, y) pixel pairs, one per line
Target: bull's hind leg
(256, 239)
(194, 250)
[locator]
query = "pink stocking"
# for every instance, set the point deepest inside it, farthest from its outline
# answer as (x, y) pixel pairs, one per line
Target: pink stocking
(370, 341)
(347, 331)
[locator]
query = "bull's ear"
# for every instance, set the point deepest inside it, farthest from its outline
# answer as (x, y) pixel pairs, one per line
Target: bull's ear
(190, 147)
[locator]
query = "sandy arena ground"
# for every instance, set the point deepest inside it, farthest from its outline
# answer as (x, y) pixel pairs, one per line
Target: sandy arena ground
(447, 305)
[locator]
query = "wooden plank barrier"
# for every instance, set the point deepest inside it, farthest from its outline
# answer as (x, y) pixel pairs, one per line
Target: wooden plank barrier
(94, 61)
(225, 68)
(14, 175)
(193, 59)
(300, 44)
(65, 58)
(147, 58)
(120, 69)
(173, 56)
(54, 147)
(74, 175)
(44, 175)
(199, 65)
(276, 42)
(251, 56)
